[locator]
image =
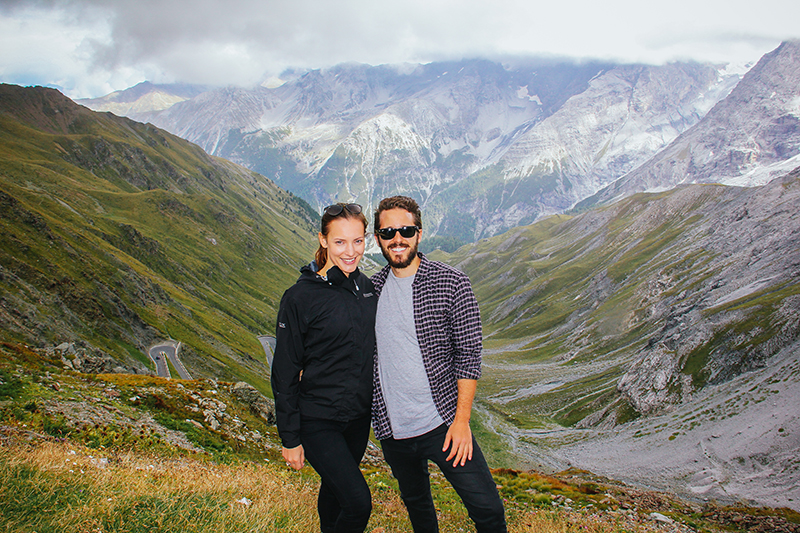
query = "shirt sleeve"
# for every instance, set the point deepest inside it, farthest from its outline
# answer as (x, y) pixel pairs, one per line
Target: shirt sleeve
(467, 332)
(286, 366)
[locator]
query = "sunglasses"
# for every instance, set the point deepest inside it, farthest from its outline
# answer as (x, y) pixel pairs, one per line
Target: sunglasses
(336, 209)
(406, 232)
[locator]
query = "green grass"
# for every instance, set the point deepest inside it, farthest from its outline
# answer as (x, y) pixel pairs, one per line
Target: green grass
(608, 286)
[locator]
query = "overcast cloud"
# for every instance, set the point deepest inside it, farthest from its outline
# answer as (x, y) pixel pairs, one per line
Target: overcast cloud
(89, 48)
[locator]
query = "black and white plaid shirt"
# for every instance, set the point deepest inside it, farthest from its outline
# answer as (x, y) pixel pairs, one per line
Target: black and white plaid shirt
(448, 326)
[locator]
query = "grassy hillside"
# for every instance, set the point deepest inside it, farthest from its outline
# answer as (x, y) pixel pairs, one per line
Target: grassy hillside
(126, 453)
(119, 234)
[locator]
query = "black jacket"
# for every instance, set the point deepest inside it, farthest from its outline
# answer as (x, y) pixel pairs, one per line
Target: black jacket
(327, 330)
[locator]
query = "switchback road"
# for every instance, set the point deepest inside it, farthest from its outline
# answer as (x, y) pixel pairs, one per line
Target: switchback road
(168, 350)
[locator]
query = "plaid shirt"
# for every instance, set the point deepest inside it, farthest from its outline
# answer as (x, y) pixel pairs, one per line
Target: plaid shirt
(448, 326)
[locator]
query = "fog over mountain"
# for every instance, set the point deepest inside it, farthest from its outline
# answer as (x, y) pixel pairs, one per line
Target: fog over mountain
(487, 146)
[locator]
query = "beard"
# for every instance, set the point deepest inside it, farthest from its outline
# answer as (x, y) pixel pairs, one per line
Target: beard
(403, 261)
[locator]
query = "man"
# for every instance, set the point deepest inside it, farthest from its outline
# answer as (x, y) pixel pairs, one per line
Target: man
(428, 360)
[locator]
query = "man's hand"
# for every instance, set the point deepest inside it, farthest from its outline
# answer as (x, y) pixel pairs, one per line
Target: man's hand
(460, 436)
(295, 457)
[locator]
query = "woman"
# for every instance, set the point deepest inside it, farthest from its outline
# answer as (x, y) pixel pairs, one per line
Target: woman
(322, 369)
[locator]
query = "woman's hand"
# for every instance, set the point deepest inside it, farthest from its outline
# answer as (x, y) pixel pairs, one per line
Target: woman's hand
(295, 457)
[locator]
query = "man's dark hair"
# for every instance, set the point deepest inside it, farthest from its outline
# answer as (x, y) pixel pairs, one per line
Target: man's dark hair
(401, 202)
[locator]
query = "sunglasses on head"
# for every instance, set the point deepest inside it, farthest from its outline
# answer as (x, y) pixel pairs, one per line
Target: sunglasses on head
(406, 232)
(336, 209)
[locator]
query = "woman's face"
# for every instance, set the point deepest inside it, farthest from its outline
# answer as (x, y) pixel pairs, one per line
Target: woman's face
(345, 243)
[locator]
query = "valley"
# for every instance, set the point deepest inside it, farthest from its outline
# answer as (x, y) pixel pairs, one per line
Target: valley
(640, 306)
(675, 366)
(733, 443)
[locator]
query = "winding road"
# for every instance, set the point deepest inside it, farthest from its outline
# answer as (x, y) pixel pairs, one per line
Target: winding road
(168, 350)
(268, 343)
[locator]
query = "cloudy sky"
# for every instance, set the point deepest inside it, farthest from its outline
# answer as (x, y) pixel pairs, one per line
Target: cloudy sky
(89, 48)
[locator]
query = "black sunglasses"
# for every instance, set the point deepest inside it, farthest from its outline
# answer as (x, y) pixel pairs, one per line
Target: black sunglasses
(336, 209)
(406, 232)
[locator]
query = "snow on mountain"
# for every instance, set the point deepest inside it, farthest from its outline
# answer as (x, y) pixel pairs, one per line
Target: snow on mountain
(622, 119)
(625, 116)
(484, 146)
(747, 139)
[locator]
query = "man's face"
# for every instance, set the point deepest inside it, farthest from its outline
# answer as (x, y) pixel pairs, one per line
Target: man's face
(399, 251)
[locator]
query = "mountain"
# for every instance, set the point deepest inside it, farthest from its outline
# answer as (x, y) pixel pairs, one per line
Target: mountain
(142, 100)
(116, 234)
(484, 146)
(747, 139)
(656, 339)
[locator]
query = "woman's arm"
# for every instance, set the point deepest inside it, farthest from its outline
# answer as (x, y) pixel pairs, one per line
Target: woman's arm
(287, 366)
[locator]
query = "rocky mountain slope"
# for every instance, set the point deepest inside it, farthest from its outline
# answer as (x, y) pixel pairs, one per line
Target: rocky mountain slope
(485, 146)
(636, 319)
(116, 234)
(747, 139)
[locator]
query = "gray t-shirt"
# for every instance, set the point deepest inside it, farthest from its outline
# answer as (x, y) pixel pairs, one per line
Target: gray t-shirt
(404, 381)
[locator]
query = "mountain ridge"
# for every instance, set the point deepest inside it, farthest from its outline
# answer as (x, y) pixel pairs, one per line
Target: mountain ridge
(118, 234)
(746, 139)
(627, 327)
(446, 133)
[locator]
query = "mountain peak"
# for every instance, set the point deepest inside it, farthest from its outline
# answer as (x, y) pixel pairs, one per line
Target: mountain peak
(40, 107)
(144, 97)
(747, 139)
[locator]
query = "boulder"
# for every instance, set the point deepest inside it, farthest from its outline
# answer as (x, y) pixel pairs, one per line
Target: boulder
(258, 403)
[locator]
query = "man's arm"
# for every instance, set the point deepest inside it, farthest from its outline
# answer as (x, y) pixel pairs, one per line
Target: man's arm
(459, 433)
(466, 336)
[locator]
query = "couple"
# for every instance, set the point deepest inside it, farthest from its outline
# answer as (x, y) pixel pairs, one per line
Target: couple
(417, 388)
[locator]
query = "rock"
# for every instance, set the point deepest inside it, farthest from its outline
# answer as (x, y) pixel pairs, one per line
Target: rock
(244, 501)
(658, 517)
(211, 420)
(66, 348)
(258, 403)
(82, 357)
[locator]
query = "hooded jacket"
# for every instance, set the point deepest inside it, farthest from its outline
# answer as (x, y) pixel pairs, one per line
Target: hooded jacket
(326, 329)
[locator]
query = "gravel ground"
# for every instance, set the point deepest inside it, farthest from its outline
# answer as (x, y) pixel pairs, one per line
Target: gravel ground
(736, 442)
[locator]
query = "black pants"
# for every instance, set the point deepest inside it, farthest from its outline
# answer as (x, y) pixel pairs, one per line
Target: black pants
(335, 449)
(473, 482)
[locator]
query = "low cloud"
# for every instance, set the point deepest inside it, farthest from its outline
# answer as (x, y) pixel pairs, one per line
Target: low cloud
(90, 46)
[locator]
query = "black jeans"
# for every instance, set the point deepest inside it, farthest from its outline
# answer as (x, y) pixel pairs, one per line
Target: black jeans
(473, 482)
(335, 449)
